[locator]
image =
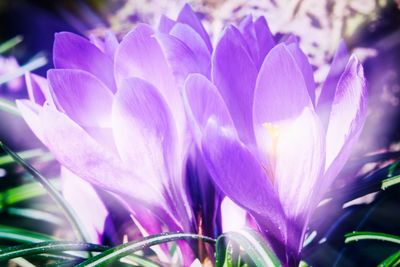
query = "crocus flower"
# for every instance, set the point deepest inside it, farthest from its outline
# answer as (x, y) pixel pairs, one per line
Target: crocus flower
(268, 143)
(112, 114)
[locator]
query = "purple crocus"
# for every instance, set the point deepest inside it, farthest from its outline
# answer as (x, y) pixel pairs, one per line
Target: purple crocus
(268, 143)
(112, 114)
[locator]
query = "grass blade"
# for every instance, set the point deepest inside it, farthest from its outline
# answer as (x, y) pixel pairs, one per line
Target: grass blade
(69, 213)
(123, 250)
(7, 45)
(21, 235)
(252, 244)
(34, 64)
(356, 236)
(26, 155)
(390, 182)
(9, 107)
(46, 247)
(392, 261)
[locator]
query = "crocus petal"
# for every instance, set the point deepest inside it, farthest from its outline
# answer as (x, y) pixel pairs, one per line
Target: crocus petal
(347, 116)
(193, 40)
(249, 34)
(86, 158)
(82, 96)
(281, 92)
(240, 177)
(234, 74)
(329, 87)
(300, 145)
(305, 67)
(72, 51)
(202, 100)
(110, 44)
(180, 57)
(30, 112)
(85, 202)
(38, 88)
(165, 24)
(139, 55)
(233, 217)
(143, 130)
(187, 16)
(265, 38)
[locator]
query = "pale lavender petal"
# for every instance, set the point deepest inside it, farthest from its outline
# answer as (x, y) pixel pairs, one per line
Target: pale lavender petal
(234, 74)
(193, 40)
(329, 87)
(202, 100)
(82, 96)
(248, 31)
(110, 44)
(281, 92)
(187, 16)
(233, 217)
(305, 67)
(30, 113)
(143, 131)
(165, 24)
(72, 51)
(139, 55)
(241, 177)
(86, 158)
(38, 88)
(298, 159)
(180, 57)
(86, 204)
(265, 38)
(347, 117)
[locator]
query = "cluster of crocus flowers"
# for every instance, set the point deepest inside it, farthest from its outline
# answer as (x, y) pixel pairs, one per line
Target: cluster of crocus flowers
(125, 115)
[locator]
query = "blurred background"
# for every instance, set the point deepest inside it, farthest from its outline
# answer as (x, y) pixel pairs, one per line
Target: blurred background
(370, 28)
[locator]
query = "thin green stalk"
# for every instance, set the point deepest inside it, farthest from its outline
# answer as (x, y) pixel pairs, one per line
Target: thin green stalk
(356, 236)
(7, 45)
(69, 213)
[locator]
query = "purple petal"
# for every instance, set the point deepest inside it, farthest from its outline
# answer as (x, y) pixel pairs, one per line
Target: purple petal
(233, 217)
(72, 51)
(30, 113)
(187, 16)
(347, 117)
(305, 67)
(82, 96)
(265, 38)
(165, 24)
(139, 55)
(249, 34)
(85, 202)
(234, 74)
(202, 101)
(86, 158)
(281, 92)
(193, 40)
(180, 57)
(38, 88)
(329, 87)
(238, 174)
(298, 160)
(143, 131)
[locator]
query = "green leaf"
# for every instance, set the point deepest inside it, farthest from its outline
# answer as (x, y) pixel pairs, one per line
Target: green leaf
(46, 247)
(21, 235)
(69, 213)
(356, 236)
(9, 107)
(35, 214)
(7, 45)
(123, 250)
(20, 193)
(33, 64)
(26, 155)
(392, 261)
(252, 244)
(390, 182)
